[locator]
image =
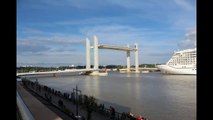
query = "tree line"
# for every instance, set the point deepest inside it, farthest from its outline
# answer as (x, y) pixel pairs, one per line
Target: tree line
(43, 69)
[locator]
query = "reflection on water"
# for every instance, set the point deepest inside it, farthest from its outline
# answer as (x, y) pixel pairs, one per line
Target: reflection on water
(154, 95)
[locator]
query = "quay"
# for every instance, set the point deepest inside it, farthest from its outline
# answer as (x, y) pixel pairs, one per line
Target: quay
(36, 108)
(65, 103)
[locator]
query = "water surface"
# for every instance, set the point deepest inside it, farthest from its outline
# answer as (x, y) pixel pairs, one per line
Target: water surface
(153, 95)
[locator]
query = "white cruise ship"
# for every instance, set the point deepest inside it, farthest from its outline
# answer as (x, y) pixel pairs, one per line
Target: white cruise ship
(182, 62)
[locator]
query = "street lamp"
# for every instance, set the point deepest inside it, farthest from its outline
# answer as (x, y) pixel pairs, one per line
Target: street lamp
(76, 93)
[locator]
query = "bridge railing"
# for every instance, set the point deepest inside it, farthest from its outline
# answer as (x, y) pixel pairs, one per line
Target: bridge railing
(22, 108)
(83, 101)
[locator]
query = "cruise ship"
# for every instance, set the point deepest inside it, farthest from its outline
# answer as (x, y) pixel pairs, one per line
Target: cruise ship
(182, 62)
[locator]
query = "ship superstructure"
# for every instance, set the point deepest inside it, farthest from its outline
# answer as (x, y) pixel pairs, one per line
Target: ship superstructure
(182, 62)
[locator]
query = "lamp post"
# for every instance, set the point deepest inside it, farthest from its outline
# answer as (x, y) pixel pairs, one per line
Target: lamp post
(76, 93)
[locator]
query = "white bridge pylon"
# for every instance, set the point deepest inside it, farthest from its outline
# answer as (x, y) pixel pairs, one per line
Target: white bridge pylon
(96, 46)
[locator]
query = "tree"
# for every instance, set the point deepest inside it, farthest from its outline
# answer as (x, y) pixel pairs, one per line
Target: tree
(91, 105)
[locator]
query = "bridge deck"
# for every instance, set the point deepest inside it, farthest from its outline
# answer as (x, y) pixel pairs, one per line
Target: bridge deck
(54, 72)
(116, 48)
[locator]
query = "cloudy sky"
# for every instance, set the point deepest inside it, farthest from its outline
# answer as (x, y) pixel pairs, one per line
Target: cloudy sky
(53, 32)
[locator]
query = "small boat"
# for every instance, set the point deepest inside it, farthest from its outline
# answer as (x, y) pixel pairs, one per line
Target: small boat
(145, 71)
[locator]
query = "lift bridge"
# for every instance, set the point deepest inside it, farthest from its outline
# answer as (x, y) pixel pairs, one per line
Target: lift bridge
(96, 46)
(95, 70)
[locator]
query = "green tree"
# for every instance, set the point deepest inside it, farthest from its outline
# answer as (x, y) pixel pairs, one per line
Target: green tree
(91, 106)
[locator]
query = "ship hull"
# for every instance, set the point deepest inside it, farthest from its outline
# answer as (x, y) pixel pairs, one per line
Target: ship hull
(172, 70)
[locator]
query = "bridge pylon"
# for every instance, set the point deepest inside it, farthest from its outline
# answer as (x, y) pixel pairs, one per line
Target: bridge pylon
(96, 46)
(87, 54)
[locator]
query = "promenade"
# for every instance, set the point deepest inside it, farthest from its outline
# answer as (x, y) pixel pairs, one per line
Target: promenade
(66, 103)
(38, 110)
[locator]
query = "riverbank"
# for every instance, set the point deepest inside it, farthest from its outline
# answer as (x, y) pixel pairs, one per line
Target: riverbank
(39, 111)
(69, 102)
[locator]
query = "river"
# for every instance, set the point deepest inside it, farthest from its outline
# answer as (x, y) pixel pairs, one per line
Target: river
(153, 95)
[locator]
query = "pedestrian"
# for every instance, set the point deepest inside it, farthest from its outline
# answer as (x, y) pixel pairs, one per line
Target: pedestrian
(130, 116)
(123, 116)
(112, 113)
(83, 118)
(60, 103)
(139, 117)
(36, 82)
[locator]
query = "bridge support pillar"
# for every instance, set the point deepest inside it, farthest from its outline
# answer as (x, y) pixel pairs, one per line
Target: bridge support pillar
(96, 64)
(87, 54)
(128, 60)
(136, 59)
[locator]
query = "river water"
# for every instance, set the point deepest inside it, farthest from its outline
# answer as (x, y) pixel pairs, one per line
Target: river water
(152, 95)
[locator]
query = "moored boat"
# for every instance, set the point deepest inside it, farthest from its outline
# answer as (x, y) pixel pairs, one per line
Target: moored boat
(182, 62)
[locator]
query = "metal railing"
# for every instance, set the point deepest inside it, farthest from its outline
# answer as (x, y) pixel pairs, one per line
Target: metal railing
(23, 109)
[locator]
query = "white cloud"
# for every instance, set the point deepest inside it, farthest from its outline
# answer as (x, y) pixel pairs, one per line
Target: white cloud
(189, 41)
(88, 21)
(63, 48)
(184, 4)
(73, 3)
(48, 45)
(138, 4)
(54, 58)
(114, 33)
(29, 31)
(150, 49)
(51, 40)
(155, 40)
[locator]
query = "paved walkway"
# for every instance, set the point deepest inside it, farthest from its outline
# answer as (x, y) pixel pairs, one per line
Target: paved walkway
(69, 105)
(38, 110)
(52, 97)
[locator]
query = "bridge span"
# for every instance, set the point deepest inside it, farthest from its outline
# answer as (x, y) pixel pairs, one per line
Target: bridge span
(97, 46)
(116, 48)
(95, 69)
(57, 72)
